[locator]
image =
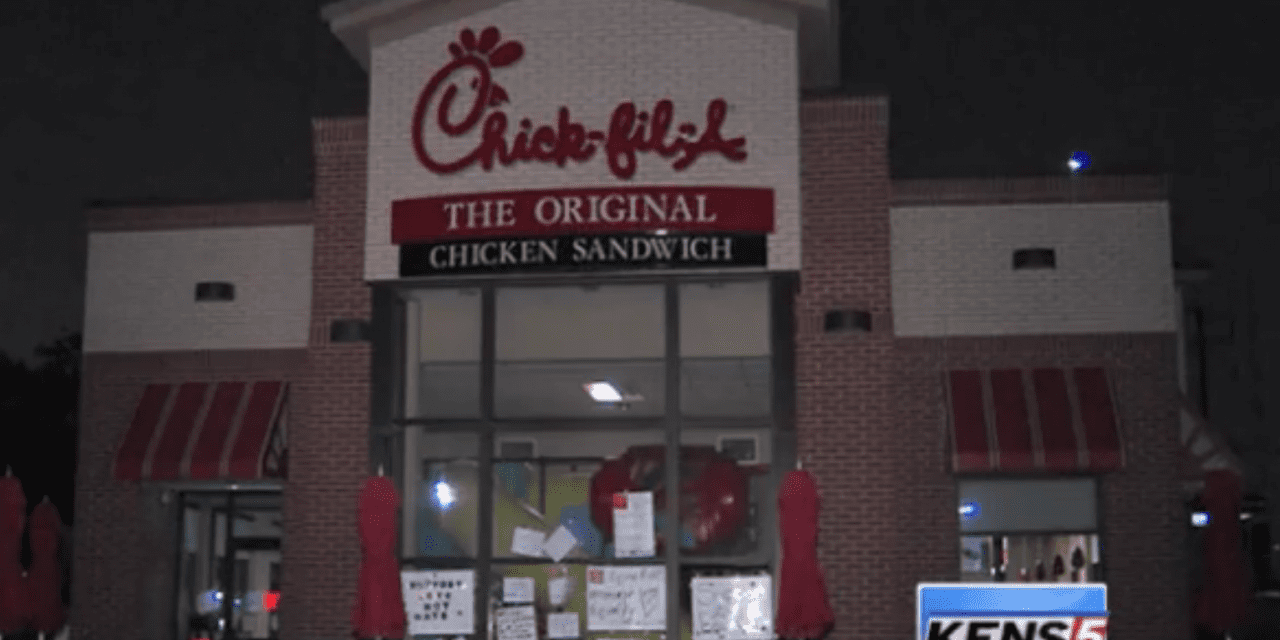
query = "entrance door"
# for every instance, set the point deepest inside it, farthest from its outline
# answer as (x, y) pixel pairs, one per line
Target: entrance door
(230, 539)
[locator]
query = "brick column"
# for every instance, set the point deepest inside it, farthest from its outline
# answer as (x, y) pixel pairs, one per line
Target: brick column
(845, 413)
(328, 437)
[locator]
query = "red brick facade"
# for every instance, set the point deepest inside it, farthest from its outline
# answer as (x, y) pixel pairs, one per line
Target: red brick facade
(871, 417)
(125, 544)
(872, 420)
(329, 440)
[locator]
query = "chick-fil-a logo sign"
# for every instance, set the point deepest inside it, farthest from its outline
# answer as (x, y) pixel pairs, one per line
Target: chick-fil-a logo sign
(631, 132)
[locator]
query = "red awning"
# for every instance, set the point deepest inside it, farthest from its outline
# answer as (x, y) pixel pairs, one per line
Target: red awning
(205, 431)
(1027, 420)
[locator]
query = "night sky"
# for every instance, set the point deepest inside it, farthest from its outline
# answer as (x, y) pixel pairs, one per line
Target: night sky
(211, 99)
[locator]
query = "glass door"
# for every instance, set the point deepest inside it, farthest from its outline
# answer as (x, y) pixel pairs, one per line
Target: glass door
(229, 583)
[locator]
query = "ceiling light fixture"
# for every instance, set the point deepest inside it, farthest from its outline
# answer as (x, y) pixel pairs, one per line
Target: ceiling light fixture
(603, 391)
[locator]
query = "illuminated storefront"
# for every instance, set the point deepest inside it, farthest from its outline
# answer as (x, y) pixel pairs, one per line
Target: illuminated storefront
(589, 278)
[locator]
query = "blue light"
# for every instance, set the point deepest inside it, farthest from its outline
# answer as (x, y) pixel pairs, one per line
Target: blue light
(1200, 519)
(969, 510)
(1079, 161)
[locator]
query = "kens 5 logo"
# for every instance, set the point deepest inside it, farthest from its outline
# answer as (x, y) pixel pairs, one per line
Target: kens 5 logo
(1014, 628)
(476, 112)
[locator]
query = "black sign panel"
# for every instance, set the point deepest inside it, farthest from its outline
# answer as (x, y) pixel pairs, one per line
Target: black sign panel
(582, 253)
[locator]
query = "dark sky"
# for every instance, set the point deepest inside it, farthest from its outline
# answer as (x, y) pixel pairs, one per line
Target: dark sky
(210, 100)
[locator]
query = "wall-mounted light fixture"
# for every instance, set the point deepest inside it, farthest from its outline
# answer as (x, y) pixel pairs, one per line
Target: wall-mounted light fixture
(348, 330)
(213, 291)
(847, 320)
(1034, 258)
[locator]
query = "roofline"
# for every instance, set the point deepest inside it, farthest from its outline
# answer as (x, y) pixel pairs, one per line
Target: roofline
(352, 20)
(1041, 189)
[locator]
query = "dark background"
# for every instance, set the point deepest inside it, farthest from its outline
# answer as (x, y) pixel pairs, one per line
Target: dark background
(210, 100)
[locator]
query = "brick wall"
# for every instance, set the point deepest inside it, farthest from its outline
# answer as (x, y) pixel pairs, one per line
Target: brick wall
(846, 419)
(1141, 512)
(124, 543)
(953, 271)
(328, 443)
(872, 422)
(591, 55)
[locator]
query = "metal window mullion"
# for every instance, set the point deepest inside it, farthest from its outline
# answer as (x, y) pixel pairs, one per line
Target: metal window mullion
(484, 517)
(413, 433)
(671, 530)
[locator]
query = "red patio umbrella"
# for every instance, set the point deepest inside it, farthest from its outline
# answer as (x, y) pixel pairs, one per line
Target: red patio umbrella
(379, 610)
(13, 515)
(44, 579)
(803, 608)
(1223, 600)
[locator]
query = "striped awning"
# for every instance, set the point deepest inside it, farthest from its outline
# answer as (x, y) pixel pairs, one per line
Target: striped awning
(205, 431)
(1030, 420)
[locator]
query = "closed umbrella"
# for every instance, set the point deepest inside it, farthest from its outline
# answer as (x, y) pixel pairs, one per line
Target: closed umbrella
(44, 580)
(13, 515)
(1223, 600)
(803, 608)
(379, 609)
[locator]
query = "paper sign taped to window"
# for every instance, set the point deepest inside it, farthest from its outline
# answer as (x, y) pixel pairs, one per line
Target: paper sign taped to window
(527, 542)
(439, 602)
(626, 598)
(562, 625)
(633, 525)
(516, 623)
(559, 543)
(732, 608)
(517, 590)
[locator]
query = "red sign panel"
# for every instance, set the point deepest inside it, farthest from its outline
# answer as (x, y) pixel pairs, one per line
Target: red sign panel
(560, 212)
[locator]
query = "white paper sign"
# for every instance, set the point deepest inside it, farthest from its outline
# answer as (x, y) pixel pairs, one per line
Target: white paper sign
(559, 544)
(516, 590)
(527, 542)
(562, 625)
(439, 602)
(626, 598)
(732, 608)
(516, 623)
(558, 590)
(633, 526)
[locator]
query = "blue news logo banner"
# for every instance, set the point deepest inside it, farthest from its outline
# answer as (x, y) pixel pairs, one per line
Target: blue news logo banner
(969, 611)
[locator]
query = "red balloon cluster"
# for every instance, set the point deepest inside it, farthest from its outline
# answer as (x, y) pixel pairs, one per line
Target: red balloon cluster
(713, 492)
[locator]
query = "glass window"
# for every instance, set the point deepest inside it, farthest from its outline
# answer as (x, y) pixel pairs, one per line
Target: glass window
(554, 488)
(448, 371)
(1020, 530)
(723, 474)
(725, 349)
(1020, 505)
(247, 561)
(1065, 557)
(447, 496)
(552, 342)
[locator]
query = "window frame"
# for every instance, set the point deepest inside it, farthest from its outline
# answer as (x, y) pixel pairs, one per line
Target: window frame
(401, 433)
(1099, 522)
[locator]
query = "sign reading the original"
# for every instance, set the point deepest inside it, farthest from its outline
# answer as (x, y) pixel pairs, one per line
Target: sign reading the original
(583, 211)
(570, 253)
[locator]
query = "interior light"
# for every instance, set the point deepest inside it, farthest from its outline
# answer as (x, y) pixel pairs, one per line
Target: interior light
(1200, 519)
(603, 392)
(969, 510)
(1246, 516)
(444, 494)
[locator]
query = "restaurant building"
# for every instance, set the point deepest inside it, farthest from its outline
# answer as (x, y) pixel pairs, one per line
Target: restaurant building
(580, 247)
